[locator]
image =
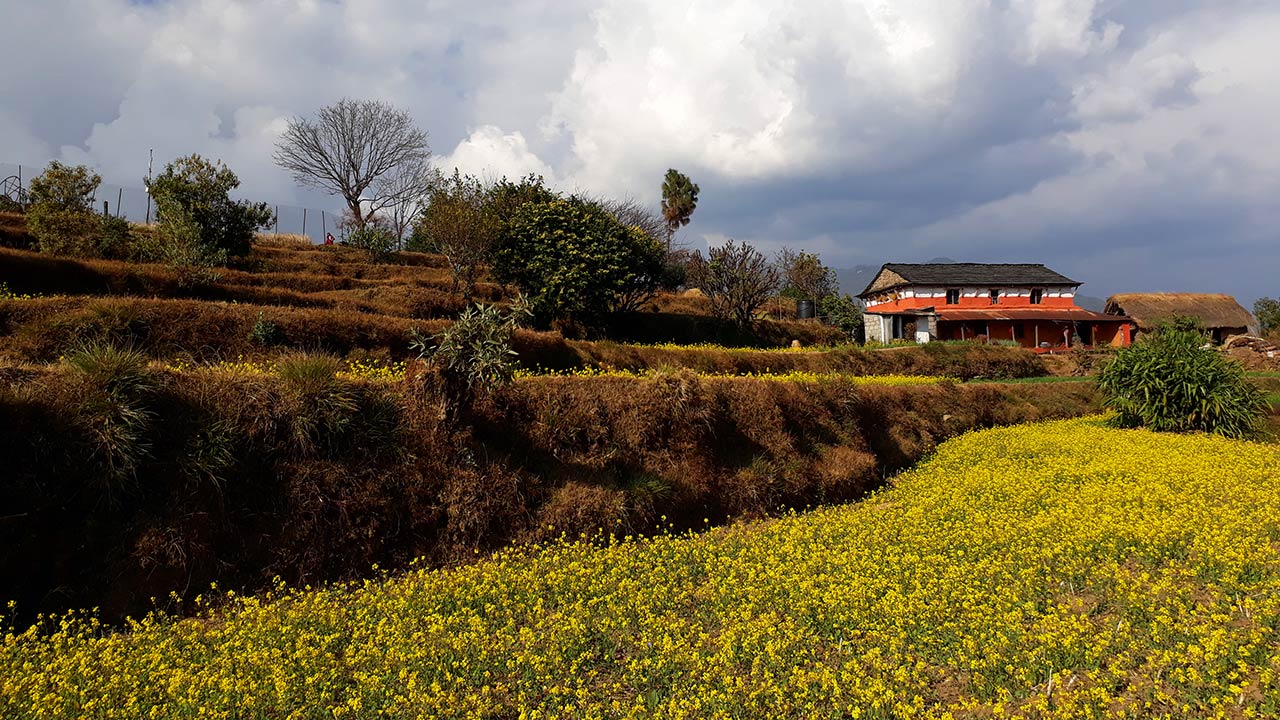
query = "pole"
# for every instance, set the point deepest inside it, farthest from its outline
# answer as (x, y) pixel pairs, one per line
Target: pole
(277, 219)
(151, 156)
(304, 221)
(119, 200)
(324, 228)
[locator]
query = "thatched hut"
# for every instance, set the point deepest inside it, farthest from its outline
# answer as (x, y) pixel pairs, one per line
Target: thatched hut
(1221, 315)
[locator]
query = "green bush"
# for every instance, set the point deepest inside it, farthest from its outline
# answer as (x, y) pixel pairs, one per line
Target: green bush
(1171, 382)
(576, 262)
(474, 355)
(322, 408)
(60, 213)
(193, 193)
(374, 238)
(113, 408)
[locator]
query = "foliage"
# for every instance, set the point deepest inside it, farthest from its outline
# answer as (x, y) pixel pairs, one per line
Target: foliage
(1169, 382)
(1267, 311)
(804, 277)
(474, 355)
(60, 210)
(191, 195)
(264, 332)
(112, 407)
(374, 237)
(1060, 570)
(737, 279)
(115, 238)
(507, 197)
(369, 152)
(841, 311)
(324, 406)
(574, 261)
(460, 223)
(679, 199)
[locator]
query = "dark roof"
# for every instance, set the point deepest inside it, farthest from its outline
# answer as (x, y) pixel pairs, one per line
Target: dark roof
(995, 274)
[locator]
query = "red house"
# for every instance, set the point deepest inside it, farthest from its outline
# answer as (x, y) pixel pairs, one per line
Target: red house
(1025, 303)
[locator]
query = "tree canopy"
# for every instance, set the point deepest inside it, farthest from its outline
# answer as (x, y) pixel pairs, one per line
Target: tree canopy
(369, 152)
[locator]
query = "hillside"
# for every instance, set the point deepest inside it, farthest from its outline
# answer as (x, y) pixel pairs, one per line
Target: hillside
(1053, 570)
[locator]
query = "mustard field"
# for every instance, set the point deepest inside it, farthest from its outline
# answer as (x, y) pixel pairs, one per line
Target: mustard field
(1058, 570)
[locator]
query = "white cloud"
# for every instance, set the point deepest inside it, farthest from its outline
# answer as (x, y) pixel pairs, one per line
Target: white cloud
(490, 153)
(869, 129)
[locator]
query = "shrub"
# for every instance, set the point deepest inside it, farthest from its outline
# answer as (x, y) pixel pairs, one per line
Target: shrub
(115, 238)
(459, 223)
(576, 262)
(193, 192)
(841, 311)
(374, 237)
(60, 214)
(112, 407)
(474, 355)
(1169, 382)
(1267, 310)
(737, 279)
(264, 332)
(321, 406)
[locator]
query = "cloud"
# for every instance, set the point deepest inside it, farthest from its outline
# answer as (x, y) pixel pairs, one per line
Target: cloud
(1131, 143)
(490, 153)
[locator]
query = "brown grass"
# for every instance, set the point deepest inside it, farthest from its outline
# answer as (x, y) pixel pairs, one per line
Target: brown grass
(250, 476)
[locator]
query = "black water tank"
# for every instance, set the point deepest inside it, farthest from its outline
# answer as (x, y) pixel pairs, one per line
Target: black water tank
(805, 310)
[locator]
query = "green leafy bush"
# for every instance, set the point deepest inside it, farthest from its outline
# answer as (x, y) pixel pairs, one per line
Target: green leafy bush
(193, 193)
(474, 355)
(60, 213)
(1170, 382)
(576, 262)
(373, 237)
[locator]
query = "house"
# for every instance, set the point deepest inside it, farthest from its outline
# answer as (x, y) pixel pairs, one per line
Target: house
(1028, 304)
(1221, 315)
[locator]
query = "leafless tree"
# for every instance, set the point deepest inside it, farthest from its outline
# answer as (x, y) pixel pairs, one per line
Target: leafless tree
(631, 213)
(737, 279)
(406, 189)
(354, 148)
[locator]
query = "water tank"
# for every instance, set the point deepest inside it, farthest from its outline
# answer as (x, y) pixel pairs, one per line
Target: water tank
(806, 310)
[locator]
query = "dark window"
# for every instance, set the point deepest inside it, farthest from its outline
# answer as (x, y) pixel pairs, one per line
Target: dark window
(953, 297)
(1036, 296)
(995, 297)
(1019, 331)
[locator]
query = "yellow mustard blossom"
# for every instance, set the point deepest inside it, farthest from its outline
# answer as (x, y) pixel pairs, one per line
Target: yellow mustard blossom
(1058, 570)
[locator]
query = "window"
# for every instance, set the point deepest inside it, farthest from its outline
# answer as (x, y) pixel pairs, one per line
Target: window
(1036, 296)
(1019, 331)
(995, 297)
(953, 297)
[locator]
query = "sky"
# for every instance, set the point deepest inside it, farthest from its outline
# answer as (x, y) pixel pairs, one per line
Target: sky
(1132, 146)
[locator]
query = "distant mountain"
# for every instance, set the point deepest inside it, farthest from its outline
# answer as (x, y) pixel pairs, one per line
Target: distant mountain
(1088, 302)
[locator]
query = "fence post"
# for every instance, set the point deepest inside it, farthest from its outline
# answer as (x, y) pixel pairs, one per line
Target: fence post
(324, 227)
(119, 201)
(304, 221)
(277, 219)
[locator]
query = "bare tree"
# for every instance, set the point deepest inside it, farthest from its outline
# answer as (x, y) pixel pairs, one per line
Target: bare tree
(631, 213)
(351, 149)
(406, 189)
(737, 279)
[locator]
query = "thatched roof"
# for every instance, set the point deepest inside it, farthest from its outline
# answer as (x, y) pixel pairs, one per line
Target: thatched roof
(1215, 310)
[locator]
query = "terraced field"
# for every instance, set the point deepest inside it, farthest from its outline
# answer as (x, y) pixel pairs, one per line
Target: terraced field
(1049, 570)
